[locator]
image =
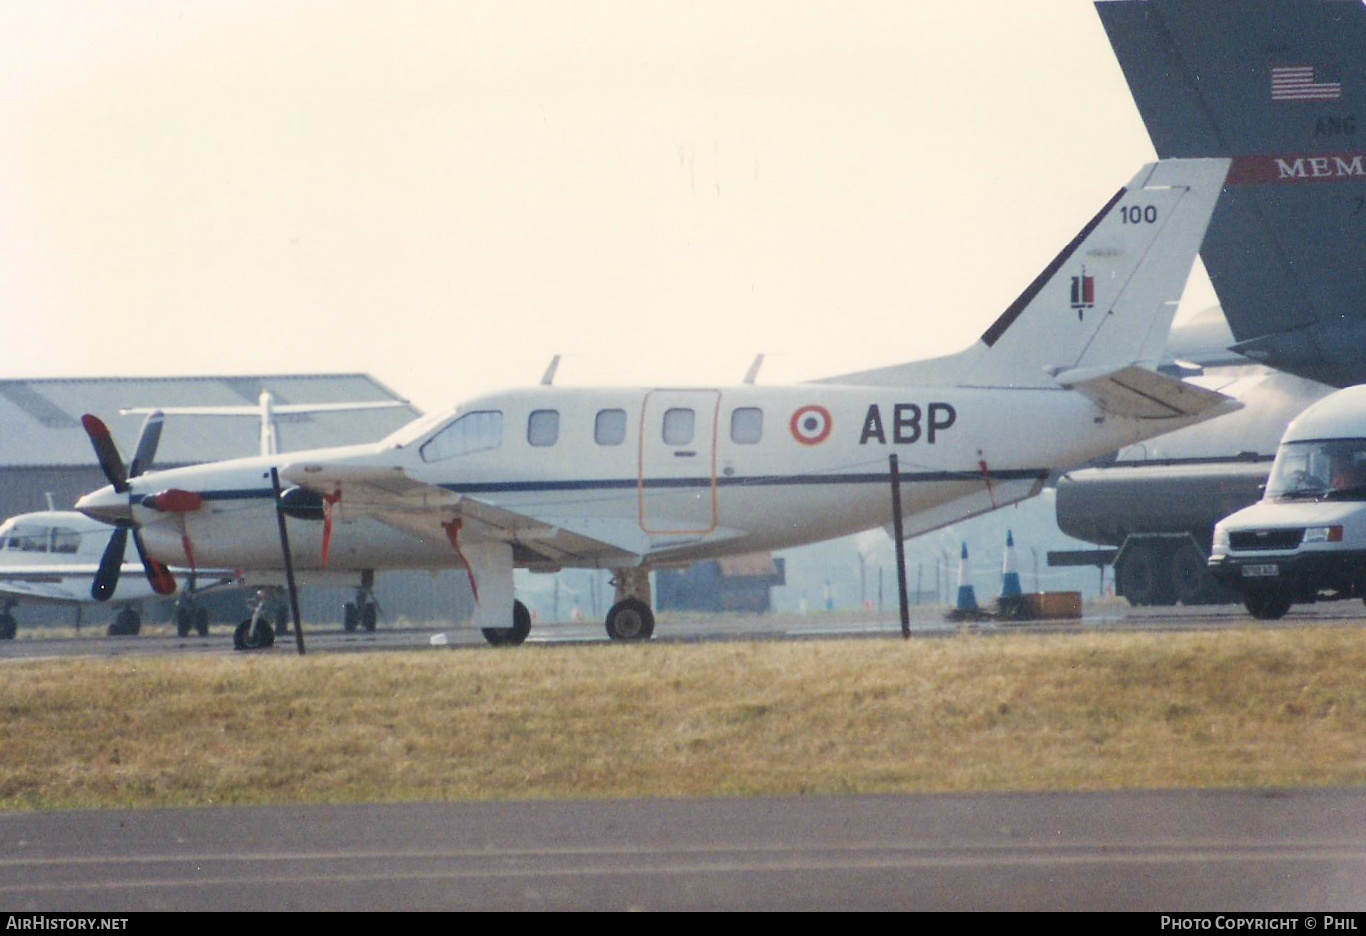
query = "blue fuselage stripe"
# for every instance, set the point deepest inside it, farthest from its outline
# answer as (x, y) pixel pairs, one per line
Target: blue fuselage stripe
(625, 484)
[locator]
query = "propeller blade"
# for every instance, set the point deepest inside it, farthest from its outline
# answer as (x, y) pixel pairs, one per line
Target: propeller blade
(107, 578)
(148, 440)
(162, 582)
(106, 451)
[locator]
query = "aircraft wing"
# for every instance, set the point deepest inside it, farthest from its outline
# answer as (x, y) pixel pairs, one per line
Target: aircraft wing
(1140, 393)
(70, 582)
(427, 511)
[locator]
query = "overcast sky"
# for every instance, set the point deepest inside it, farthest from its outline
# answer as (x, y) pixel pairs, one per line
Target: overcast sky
(446, 194)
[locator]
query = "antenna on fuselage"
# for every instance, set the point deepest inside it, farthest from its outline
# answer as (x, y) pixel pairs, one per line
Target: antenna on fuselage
(753, 372)
(548, 377)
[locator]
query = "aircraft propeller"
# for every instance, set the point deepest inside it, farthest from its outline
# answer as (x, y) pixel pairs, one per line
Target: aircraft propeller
(107, 453)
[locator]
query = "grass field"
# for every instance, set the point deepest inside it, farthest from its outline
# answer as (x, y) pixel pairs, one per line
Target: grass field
(1088, 711)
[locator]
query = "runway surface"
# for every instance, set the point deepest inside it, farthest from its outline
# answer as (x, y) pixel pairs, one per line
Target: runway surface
(1290, 851)
(926, 622)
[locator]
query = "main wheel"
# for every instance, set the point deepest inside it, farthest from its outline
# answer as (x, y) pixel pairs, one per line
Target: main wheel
(8, 626)
(126, 624)
(184, 619)
(350, 617)
(369, 615)
(631, 619)
(1267, 604)
(201, 621)
(514, 635)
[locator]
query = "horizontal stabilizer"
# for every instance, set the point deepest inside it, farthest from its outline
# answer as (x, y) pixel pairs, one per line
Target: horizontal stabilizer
(1138, 393)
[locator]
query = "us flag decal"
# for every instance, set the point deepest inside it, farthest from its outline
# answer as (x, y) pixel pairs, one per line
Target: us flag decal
(1296, 83)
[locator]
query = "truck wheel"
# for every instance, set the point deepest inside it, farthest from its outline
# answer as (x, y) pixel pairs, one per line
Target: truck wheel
(1266, 605)
(1191, 582)
(1144, 578)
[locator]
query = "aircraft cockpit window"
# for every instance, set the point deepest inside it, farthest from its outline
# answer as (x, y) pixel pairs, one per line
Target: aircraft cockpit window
(543, 427)
(747, 425)
(678, 426)
(29, 539)
(473, 432)
(64, 540)
(610, 427)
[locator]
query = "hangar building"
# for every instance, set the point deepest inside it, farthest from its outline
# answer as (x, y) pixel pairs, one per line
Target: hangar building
(44, 450)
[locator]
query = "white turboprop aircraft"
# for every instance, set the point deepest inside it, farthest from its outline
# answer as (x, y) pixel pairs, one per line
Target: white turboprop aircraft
(53, 556)
(637, 479)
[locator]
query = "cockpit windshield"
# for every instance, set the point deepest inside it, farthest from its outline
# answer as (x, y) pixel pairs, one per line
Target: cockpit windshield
(1327, 469)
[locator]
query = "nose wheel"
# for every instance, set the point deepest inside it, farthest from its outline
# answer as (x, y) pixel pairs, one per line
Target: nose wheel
(361, 614)
(191, 617)
(256, 632)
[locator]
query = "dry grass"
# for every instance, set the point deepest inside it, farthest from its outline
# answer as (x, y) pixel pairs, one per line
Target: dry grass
(1088, 711)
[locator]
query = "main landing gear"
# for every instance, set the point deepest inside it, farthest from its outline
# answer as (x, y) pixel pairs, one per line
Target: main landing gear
(514, 635)
(191, 616)
(631, 618)
(8, 625)
(127, 623)
(256, 633)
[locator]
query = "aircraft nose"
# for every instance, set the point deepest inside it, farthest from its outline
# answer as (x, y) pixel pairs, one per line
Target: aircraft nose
(106, 505)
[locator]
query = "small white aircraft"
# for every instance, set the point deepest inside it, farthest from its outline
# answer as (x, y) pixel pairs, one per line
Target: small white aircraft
(52, 556)
(637, 479)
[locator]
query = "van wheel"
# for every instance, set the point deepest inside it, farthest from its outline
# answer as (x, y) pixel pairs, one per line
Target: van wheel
(1266, 605)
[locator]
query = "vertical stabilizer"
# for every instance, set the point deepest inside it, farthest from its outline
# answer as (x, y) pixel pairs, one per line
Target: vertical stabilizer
(1105, 302)
(1278, 86)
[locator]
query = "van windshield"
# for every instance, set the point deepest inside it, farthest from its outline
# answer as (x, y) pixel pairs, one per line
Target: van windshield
(1319, 470)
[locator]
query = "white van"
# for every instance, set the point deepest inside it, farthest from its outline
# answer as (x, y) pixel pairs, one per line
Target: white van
(1305, 540)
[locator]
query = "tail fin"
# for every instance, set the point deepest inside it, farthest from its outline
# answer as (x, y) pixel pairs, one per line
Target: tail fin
(1278, 85)
(1104, 303)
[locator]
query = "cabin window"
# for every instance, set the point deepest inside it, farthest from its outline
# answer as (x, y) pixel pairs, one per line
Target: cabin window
(678, 426)
(29, 539)
(474, 432)
(64, 540)
(610, 427)
(543, 427)
(747, 425)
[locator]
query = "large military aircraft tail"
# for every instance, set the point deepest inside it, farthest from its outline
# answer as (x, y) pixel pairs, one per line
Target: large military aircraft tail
(1278, 86)
(1105, 302)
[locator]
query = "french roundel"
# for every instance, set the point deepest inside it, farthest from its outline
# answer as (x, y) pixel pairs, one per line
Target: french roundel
(811, 425)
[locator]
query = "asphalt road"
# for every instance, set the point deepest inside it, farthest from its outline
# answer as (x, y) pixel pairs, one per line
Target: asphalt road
(1169, 852)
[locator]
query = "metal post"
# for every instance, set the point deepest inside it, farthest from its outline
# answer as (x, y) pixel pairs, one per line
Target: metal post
(900, 546)
(289, 564)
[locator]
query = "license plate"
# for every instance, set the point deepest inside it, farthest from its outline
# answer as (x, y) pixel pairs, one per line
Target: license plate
(1266, 570)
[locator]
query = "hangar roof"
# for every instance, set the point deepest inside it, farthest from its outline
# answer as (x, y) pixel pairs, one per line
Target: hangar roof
(40, 420)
